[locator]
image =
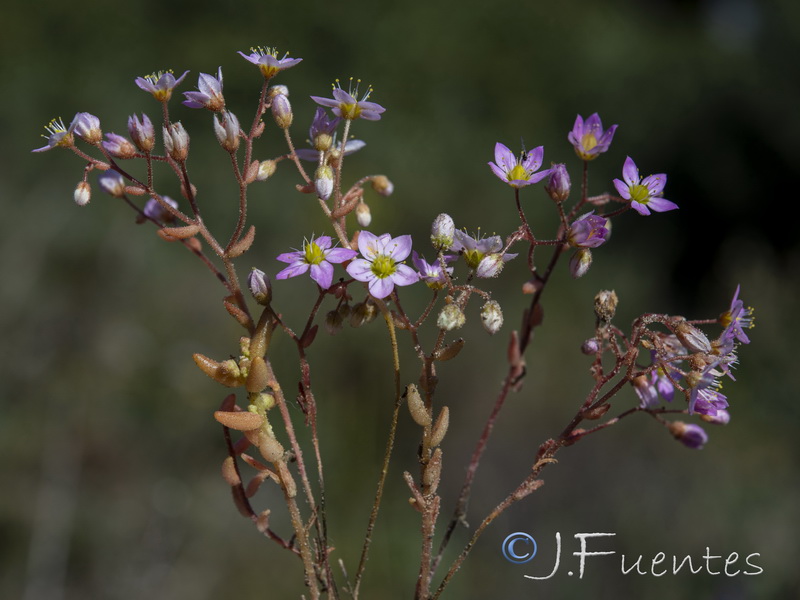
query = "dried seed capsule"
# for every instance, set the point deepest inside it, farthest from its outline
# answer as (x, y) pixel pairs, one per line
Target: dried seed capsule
(416, 406)
(492, 317)
(440, 428)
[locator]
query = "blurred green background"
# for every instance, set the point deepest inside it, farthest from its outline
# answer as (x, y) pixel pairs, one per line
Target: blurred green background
(109, 452)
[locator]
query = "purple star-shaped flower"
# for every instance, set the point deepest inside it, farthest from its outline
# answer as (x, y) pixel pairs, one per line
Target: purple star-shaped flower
(737, 319)
(209, 94)
(475, 249)
(432, 274)
(160, 84)
(346, 106)
(266, 59)
(518, 172)
(644, 194)
(588, 137)
(316, 256)
(381, 268)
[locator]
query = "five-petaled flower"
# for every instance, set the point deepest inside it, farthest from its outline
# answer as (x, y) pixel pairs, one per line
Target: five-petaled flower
(160, 84)
(736, 319)
(266, 59)
(209, 94)
(588, 137)
(644, 194)
(432, 274)
(58, 135)
(381, 266)
(317, 257)
(475, 249)
(346, 106)
(518, 172)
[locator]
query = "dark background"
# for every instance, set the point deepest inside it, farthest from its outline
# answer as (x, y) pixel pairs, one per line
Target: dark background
(109, 452)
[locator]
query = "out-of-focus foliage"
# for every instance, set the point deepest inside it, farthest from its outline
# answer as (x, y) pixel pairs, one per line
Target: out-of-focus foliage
(109, 452)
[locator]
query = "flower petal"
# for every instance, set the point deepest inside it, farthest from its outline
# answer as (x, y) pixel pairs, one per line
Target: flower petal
(655, 183)
(322, 274)
(661, 204)
(640, 208)
(499, 172)
(290, 257)
(533, 159)
(629, 172)
(404, 275)
(380, 288)
(504, 158)
(330, 103)
(623, 189)
(361, 270)
(293, 270)
(368, 245)
(400, 247)
(339, 255)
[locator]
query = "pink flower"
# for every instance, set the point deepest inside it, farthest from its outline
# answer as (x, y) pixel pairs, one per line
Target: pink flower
(316, 256)
(644, 194)
(380, 268)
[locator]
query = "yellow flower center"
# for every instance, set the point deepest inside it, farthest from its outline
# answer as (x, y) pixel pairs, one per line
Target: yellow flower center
(383, 266)
(640, 193)
(518, 173)
(473, 258)
(313, 253)
(588, 141)
(350, 111)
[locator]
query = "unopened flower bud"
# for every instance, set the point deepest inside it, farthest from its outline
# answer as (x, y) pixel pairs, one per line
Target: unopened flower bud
(227, 131)
(155, 210)
(266, 169)
(443, 232)
(533, 285)
(260, 286)
(277, 90)
(580, 262)
(382, 185)
(605, 305)
(590, 346)
(142, 132)
(176, 141)
(334, 322)
(689, 435)
(723, 417)
(490, 265)
(363, 313)
(87, 127)
(492, 317)
(558, 184)
(82, 194)
(451, 317)
(692, 338)
(363, 215)
(118, 147)
(323, 182)
(282, 111)
(112, 183)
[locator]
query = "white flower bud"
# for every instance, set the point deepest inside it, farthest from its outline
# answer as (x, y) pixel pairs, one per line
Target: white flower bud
(176, 141)
(580, 262)
(380, 183)
(323, 182)
(492, 317)
(363, 215)
(282, 111)
(451, 317)
(442, 232)
(83, 193)
(227, 131)
(266, 169)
